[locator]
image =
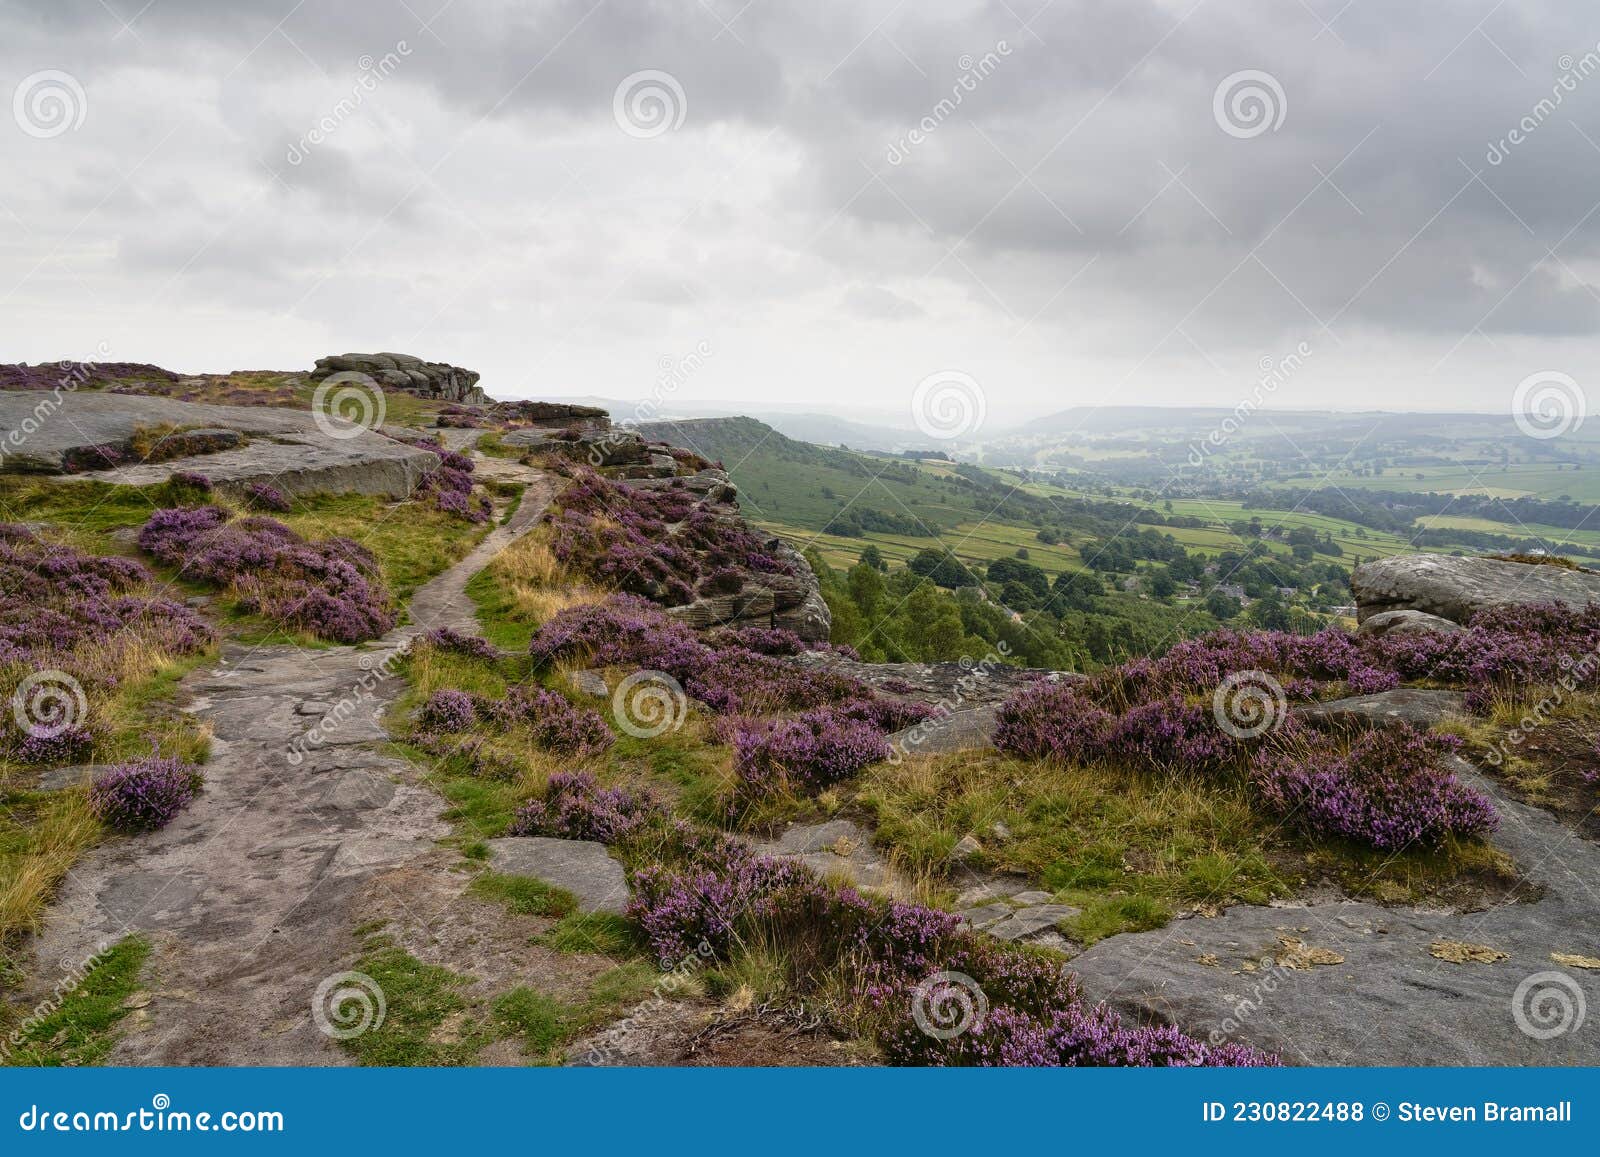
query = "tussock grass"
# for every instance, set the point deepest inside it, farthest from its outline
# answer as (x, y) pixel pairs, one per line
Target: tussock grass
(524, 586)
(42, 834)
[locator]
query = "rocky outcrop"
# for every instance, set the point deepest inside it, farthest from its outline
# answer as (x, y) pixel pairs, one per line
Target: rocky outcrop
(404, 372)
(286, 449)
(1416, 706)
(1406, 623)
(1457, 588)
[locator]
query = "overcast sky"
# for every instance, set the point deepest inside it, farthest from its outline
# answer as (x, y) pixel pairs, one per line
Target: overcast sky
(1111, 201)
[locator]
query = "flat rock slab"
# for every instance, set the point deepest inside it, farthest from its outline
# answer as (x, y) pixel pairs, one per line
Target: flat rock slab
(958, 731)
(1457, 588)
(1417, 706)
(833, 848)
(582, 867)
(1027, 922)
(286, 449)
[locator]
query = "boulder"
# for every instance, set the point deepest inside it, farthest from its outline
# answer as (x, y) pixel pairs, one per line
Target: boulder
(1457, 588)
(1406, 623)
(582, 867)
(1420, 707)
(405, 372)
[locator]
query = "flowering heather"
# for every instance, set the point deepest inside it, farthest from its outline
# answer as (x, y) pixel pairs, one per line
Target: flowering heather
(660, 543)
(778, 641)
(260, 496)
(330, 588)
(887, 950)
(189, 480)
(1171, 733)
(55, 601)
(449, 485)
(71, 743)
(629, 631)
(575, 807)
(1389, 789)
(1052, 720)
(473, 646)
(145, 794)
(555, 723)
(806, 753)
(448, 711)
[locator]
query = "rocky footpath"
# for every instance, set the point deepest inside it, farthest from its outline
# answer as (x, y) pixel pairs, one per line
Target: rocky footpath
(404, 372)
(306, 828)
(1454, 589)
(233, 446)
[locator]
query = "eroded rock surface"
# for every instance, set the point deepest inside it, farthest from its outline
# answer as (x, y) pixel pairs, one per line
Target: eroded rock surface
(582, 867)
(1457, 588)
(283, 448)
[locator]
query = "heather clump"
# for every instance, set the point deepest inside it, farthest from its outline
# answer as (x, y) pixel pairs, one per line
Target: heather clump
(576, 807)
(661, 543)
(896, 968)
(261, 496)
(806, 753)
(1389, 788)
(330, 588)
(551, 721)
(448, 486)
(630, 631)
(456, 642)
(144, 794)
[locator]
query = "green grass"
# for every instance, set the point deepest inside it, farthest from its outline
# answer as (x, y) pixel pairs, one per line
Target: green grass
(418, 999)
(598, 932)
(80, 1027)
(524, 895)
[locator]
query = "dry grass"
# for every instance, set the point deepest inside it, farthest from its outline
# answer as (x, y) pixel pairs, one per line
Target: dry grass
(41, 837)
(523, 586)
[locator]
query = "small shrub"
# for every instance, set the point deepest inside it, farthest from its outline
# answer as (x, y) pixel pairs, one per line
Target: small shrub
(144, 794)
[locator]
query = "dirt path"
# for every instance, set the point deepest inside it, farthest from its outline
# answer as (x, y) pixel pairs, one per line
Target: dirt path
(304, 831)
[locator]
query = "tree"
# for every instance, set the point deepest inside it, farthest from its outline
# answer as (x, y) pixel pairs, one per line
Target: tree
(873, 557)
(1221, 606)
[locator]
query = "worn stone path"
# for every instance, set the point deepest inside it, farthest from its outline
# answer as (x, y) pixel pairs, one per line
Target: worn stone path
(251, 895)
